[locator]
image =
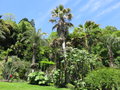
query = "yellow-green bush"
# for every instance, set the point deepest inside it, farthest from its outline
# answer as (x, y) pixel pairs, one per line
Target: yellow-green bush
(105, 79)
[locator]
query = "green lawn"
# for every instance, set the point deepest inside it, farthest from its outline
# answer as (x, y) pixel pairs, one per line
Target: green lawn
(25, 86)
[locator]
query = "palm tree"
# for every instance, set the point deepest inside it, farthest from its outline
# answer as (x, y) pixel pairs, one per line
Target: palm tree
(111, 42)
(87, 29)
(61, 17)
(35, 38)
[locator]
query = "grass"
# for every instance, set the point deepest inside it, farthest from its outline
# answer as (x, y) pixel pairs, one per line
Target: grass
(25, 86)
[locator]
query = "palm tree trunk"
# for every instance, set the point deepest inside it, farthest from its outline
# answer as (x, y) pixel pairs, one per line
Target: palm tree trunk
(65, 64)
(86, 43)
(64, 48)
(33, 58)
(110, 53)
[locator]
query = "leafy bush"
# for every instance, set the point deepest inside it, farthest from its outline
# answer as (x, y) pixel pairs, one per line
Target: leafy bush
(15, 67)
(79, 84)
(70, 86)
(105, 79)
(38, 78)
(57, 79)
(80, 63)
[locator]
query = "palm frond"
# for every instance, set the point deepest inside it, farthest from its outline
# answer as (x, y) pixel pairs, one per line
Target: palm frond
(61, 16)
(69, 24)
(2, 34)
(68, 10)
(61, 7)
(52, 20)
(69, 16)
(55, 26)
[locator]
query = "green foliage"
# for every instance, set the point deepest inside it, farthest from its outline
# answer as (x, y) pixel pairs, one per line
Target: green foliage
(70, 86)
(56, 78)
(44, 63)
(81, 61)
(15, 67)
(4, 53)
(38, 78)
(105, 79)
(80, 84)
(47, 62)
(24, 26)
(52, 36)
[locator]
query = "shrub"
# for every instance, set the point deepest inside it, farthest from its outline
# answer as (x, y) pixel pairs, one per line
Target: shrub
(79, 84)
(15, 67)
(70, 86)
(38, 78)
(105, 79)
(58, 78)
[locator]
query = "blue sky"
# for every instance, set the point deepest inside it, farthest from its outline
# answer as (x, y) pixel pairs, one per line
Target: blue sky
(103, 12)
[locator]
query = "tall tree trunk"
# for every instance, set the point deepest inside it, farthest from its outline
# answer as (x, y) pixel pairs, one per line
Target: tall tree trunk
(110, 53)
(65, 64)
(33, 57)
(64, 48)
(86, 42)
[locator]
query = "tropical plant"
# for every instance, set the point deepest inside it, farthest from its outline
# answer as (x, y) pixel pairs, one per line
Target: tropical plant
(35, 38)
(62, 17)
(38, 78)
(88, 30)
(111, 42)
(80, 62)
(15, 67)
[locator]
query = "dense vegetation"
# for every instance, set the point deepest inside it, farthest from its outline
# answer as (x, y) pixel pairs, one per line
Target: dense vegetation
(88, 58)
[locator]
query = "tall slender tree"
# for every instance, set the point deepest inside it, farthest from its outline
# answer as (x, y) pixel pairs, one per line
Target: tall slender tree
(35, 38)
(61, 17)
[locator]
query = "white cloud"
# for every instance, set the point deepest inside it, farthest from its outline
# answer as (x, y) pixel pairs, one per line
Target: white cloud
(87, 6)
(84, 8)
(94, 5)
(76, 3)
(99, 4)
(109, 9)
